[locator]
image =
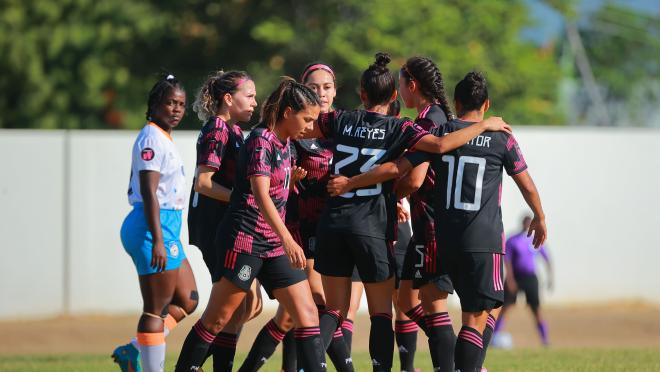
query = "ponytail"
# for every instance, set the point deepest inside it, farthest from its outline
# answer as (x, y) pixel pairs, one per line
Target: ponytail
(210, 95)
(289, 93)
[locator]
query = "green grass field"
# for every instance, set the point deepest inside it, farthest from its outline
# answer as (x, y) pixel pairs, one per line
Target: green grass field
(498, 360)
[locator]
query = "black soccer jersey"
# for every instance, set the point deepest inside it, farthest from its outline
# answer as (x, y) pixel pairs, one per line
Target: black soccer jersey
(362, 140)
(468, 187)
(217, 147)
(423, 200)
(263, 154)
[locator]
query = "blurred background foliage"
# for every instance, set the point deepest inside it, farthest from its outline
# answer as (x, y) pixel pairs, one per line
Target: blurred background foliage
(90, 63)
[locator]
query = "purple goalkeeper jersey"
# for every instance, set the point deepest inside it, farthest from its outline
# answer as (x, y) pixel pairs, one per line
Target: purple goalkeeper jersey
(521, 253)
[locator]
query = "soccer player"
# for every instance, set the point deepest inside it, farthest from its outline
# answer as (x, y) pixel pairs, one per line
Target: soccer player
(224, 99)
(150, 232)
(421, 87)
(520, 261)
(353, 227)
(468, 218)
(255, 238)
(302, 214)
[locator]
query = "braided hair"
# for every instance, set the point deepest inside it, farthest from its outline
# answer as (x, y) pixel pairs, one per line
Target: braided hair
(377, 81)
(288, 94)
(209, 98)
(429, 78)
(163, 86)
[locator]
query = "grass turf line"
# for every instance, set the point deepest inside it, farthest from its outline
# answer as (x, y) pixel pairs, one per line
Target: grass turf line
(498, 360)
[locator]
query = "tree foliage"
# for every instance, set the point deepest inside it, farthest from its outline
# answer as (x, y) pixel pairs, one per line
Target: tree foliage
(90, 63)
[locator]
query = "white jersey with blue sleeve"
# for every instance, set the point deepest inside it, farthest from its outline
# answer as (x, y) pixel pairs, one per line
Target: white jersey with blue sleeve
(154, 150)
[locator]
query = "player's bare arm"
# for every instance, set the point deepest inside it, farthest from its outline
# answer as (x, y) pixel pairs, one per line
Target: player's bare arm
(204, 184)
(387, 171)
(412, 181)
(260, 186)
(148, 186)
(531, 195)
(454, 140)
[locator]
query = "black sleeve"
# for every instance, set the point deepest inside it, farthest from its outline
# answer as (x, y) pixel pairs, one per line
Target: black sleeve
(514, 162)
(417, 157)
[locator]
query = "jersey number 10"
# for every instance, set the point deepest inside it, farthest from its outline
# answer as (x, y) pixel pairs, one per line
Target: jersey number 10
(458, 187)
(353, 155)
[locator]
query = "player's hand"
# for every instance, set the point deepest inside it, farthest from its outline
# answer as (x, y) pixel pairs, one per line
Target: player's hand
(158, 257)
(496, 124)
(537, 226)
(297, 174)
(338, 185)
(402, 213)
(295, 253)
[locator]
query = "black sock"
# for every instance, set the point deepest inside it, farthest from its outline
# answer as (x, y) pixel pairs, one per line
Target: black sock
(381, 342)
(339, 354)
(488, 334)
(329, 321)
(311, 356)
(289, 353)
(263, 347)
(441, 341)
(469, 346)
(223, 350)
(416, 314)
(195, 348)
(347, 331)
(406, 338)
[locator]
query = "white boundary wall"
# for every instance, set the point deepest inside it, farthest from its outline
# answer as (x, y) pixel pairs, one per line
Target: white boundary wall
(64, 198)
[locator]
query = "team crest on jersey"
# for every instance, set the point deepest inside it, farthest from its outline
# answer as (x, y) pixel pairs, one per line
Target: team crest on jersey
(245, 273)
(174, 250)
(147, 154)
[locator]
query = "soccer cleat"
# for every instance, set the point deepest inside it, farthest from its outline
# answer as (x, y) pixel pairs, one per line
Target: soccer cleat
(128, 358)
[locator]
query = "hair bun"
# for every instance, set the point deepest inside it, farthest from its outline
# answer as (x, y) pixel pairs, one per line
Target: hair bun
(382, 59)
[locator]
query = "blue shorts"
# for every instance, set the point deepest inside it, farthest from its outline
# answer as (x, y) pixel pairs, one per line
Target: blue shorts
(137, 239)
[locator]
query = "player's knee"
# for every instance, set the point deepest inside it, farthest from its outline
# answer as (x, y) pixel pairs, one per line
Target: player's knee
(256, 308)
(193, 302)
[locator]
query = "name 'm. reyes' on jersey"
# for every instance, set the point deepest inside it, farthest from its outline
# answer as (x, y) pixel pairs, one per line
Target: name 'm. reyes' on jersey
(468, 187)
(362, 140)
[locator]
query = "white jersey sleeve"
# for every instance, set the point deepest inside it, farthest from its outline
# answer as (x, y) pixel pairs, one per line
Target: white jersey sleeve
(148, 154)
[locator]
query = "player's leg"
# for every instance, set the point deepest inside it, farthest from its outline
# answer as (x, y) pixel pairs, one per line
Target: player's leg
(357, 288)
(267, 340)
(291, 288)
(440, 331)
(227, 294)
(157, 291)
(405, 329)
(338, 350)
(334, 261)
(376, 265)
(488, 332)
(531, 288)
(481, 289)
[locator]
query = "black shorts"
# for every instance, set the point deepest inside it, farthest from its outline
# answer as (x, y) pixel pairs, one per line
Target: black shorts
(339, 253)
(210, 254)
(476, 277)
(305, 236)
(273, 272)
(421, 264)
(529, 284)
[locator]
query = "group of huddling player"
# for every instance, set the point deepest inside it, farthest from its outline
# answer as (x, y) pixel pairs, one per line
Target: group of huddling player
(309, 207)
